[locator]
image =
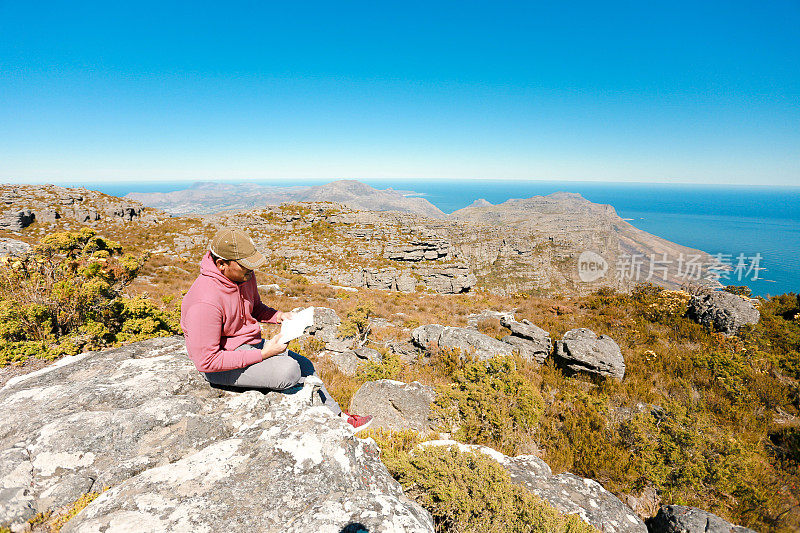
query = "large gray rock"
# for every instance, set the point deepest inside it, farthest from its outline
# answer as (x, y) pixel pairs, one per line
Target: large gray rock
(449, 280)
(722, 311)
(326, 324)
(427, 336)
(467, 340)
(528, 350)
(17, 220)
(473, 342)
(182, 456)
(681, 519)
(13, 247)
(581, 350)
(394, 404)
(567, 492)
(532, 342)
(368, 354)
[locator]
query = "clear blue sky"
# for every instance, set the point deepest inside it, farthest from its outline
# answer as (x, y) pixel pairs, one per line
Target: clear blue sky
(705, 92)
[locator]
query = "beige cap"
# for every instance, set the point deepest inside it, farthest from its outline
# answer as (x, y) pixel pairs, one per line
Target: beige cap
(234, 244)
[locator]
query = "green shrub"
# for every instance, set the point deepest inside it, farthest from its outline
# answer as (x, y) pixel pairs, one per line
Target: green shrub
(468, 491)
(390, 367)
(490, 402)
(65, 296)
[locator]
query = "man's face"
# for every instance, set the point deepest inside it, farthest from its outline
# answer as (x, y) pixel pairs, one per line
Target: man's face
(234, 271)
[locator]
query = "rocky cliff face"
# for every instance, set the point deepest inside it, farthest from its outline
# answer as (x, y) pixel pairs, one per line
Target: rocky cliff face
(540, 240)
(26, 204)
(537, 244)
(181, 456)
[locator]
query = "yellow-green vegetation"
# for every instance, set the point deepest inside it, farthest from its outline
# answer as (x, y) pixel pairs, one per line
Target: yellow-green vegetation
(55, 523)
(467, 491)
(66, 295)
(490, 403)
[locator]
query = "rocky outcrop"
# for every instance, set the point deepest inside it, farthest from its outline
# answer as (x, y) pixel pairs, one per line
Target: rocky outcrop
(722, 311)
(52, 205)
(581, 350)
(530, 341)
(681, 519)
(567, 492)
(17, 220)
(395, 405)
(326, 324)
(467, 340)
(418, 250)
(427, 336)
(125, 212)
(182, 456)
(449, 280)
(13, 247)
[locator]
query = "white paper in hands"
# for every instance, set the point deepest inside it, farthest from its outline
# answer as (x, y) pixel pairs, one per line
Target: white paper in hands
(295, 326)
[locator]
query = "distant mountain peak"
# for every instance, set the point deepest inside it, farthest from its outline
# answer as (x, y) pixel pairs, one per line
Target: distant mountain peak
(480, 202)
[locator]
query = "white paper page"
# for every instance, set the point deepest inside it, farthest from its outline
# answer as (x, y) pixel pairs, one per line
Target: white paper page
(295, 326)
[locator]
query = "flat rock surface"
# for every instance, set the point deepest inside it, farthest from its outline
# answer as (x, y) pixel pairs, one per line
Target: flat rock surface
(181, 456)
(394, 404)
(467, 340)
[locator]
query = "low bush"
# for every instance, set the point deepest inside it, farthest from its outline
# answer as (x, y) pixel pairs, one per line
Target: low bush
(467, 491)
(490, 402)
(66, 295)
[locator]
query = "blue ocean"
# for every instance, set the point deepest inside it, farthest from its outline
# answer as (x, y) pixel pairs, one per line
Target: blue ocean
(759, 224)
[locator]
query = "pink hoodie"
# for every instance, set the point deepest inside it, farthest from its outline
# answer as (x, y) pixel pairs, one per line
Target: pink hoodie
(218, 316)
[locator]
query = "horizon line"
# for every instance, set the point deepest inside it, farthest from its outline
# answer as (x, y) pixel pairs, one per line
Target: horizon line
(71, 182)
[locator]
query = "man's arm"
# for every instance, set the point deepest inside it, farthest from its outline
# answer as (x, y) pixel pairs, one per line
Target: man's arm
(203, 332)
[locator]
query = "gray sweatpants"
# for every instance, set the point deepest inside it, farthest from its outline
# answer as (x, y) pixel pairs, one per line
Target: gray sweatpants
(278, 372)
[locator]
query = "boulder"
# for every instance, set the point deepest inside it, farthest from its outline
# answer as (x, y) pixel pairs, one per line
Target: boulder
(407, 351)
(369, 354)
(469, 341)
(126, 213)
(449, 280)
(473, 342)
(345, 360)
(474, 319)
(681, 519)
(528, 350)
(567, 492)
(722, 311)
(427, 336)
(87, 215)
(49, 215)
(13, 247)
(182, 456)
(326, 324)
(395, 405)
(581, 350)
(532, 342)
(17, 220)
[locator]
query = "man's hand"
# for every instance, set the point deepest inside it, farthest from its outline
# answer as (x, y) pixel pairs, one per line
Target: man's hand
(280, 316)
(272, 347)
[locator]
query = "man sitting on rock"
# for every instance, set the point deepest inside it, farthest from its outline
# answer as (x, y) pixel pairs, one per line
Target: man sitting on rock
(220, 318)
